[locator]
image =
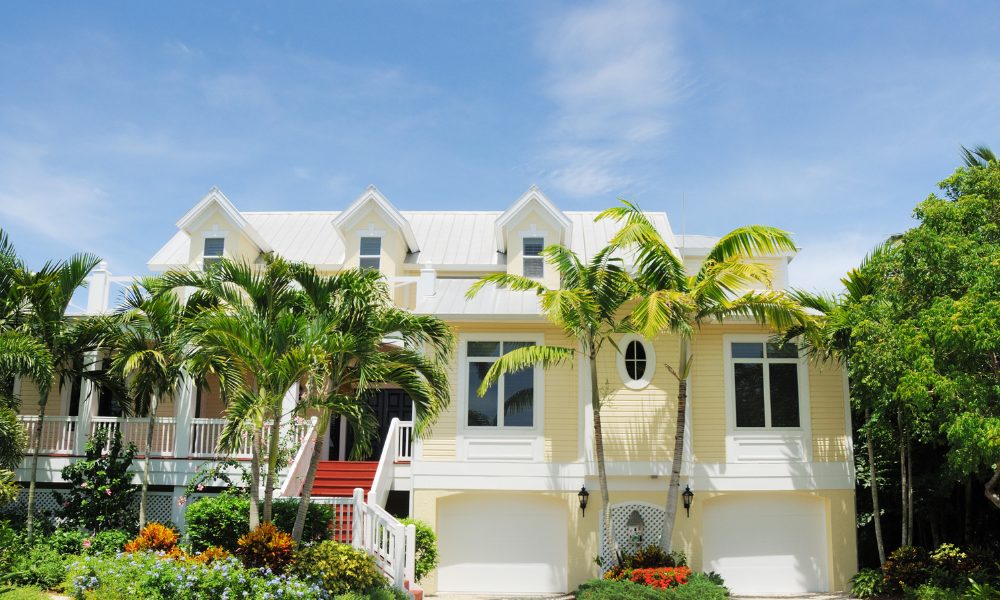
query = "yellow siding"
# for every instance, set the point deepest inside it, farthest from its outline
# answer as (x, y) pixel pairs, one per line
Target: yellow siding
(708, 404)
(639, 425)
(30, 398)
(212, 406)
(826, 397)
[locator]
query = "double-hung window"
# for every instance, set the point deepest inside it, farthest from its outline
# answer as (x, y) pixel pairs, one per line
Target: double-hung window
(507, 404)
(371, 253)
(214, 249)
(534, 262)
(765, 384)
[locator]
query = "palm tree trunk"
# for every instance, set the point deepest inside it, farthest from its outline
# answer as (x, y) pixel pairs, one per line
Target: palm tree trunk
(876, 511)
(36, 447)
(300, 517)
(909, 489)
(272, 465)
(602, 475)
(255, 478)
(673, 492)
(144, 495)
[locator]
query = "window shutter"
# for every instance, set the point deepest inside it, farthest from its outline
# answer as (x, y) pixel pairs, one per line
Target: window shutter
(534, 264)
(215, 246)
(371, 246)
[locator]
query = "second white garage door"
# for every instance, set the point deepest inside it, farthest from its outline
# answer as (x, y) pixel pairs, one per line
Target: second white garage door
(507, 544)
(767, 543)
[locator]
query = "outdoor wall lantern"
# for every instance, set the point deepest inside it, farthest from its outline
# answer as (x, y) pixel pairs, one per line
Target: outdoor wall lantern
(584, 496)
(688, 498)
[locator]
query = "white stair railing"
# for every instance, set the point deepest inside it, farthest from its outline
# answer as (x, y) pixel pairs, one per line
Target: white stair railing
(296, 475)
(397, 448)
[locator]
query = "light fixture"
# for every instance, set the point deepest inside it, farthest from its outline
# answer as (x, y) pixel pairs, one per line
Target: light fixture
(584, 496)
(688, 498)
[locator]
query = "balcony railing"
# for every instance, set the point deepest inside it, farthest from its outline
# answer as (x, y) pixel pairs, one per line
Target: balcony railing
(134, 431)
(58, 433)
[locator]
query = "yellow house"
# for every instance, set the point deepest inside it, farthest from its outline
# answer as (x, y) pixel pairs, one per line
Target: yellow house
(768, 455)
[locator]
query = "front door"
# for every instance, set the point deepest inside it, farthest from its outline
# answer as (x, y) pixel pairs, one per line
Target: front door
(385, 405)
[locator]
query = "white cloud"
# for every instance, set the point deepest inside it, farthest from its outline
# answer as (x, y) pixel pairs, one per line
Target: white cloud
(822, 262)
(612, 76)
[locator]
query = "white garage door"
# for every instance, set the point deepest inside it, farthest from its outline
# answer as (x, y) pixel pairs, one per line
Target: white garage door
(510, 544)
(767, 543)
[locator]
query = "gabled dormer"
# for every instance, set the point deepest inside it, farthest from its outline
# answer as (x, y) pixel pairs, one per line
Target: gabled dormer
(217, 229)
(376, 235)
(528, 226)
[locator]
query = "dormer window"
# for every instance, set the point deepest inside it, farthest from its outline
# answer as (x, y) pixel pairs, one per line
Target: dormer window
(371, 253)
(534, 263)
(214, 249)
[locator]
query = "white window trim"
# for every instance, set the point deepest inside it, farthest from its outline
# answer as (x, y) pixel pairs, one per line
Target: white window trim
(647, 376)
(534, 232)
(371, 232)
(215, 232)
(765, 444)
(538, 413)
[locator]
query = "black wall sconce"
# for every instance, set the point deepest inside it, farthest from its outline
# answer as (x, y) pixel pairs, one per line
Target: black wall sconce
(688, 499)
(584, 496)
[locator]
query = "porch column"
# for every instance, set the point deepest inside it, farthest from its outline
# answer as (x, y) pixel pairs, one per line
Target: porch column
(88, 404)
(184, 406)
(289, 402)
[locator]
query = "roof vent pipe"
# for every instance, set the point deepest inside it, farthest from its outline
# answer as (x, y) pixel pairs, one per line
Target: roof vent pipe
(427, 284)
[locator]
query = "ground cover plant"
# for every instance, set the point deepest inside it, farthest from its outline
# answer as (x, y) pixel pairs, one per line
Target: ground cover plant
(947, 572)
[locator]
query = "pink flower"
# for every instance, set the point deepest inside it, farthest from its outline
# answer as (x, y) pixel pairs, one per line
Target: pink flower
(84, 485)
(108, 491)
(200, 487)
(86, 543)
(182, 501)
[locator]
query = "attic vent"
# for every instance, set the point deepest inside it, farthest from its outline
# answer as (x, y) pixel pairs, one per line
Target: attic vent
(371, 253)
(214, 249)
(534, 263)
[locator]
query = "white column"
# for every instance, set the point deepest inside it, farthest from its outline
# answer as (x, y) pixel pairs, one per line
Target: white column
(289, 402)
(88, 404)
(177, 507)
(184, 405)
(427, 284)
(99, 289)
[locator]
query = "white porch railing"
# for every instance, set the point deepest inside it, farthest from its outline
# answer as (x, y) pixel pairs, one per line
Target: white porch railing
(205, 434)
(296, 475)
(397, 448)
(134, 430)
(58, 433)
(392, 544)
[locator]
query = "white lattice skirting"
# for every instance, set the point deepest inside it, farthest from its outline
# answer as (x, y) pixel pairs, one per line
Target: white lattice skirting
(159, 509)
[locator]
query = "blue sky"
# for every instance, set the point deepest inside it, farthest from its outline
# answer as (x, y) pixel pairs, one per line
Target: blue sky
(830, 120)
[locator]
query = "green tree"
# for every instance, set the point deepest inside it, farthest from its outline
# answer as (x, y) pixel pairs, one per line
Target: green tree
(101, 495)
(671, 300)
(589, 309)
(352, 315)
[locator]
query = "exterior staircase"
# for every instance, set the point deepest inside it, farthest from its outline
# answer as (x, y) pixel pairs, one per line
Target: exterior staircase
(338, 478)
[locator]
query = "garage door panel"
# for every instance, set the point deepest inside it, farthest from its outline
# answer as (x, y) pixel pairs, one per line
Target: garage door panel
(512, 545)
(767, 544)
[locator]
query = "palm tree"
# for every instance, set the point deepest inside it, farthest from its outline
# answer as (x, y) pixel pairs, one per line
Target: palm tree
(255, 331)
(830, 338)
(670, 300)
(38, 338)
(588, 308)
(149, 352)
(978, 156)
(352, 315)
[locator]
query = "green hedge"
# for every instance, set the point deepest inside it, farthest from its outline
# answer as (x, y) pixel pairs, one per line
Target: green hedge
(221, 520)
(698, 587)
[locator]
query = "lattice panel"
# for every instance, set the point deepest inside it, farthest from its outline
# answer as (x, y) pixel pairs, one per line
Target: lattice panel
(632, 531)
(159, 510)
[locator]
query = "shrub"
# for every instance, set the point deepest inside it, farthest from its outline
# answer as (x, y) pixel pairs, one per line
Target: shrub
(66, 541)
(426, 559)
(102, 495)
(661, 577)
(41, 565)
(338, 568)
(699, 587)
(145, 575)
(156, 538)
(650, 557)
(12, 546)
(933, 592)
(107, 542)
(906, 567)
(318, 517)
(217, 521)
(867, 584)
(266, 547)
(603, 589)
(211, 554)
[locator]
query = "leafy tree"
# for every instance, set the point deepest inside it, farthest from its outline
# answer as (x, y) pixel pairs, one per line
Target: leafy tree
(589, 307)
(671, 300)
(352, 315)
(102, 495)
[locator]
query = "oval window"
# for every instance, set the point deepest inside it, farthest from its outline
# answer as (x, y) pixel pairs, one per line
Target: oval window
(636, 361)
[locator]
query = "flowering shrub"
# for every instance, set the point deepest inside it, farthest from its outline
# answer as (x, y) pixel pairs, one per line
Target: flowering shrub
(146, 575)
(266, 547)
(661, 577)
(211, 554)
(102, 495)
(154, 537)
(338, 568)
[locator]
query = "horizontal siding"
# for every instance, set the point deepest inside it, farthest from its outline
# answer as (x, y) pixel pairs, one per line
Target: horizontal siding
(708, 394)
(826, 397)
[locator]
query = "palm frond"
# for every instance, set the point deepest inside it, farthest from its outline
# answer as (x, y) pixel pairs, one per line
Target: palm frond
(523, 358)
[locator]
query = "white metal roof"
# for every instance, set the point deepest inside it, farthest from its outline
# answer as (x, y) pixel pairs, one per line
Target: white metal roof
(445, 238)
(449, 301)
